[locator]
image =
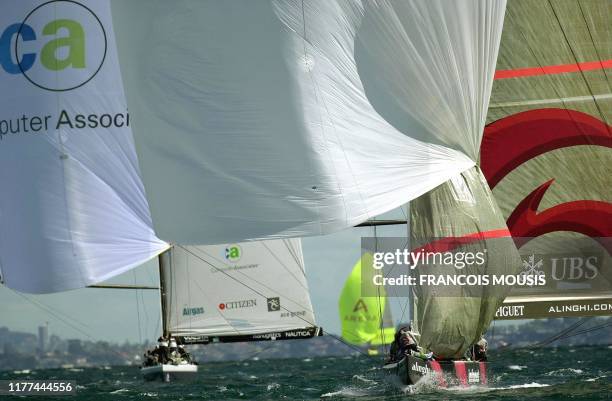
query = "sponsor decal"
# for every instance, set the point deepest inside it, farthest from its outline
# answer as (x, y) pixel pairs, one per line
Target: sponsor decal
(473, 376)
(531, 267)
(193, 311)
(293, 314)
(422, 369)
(575, 308)
(192, 339)
(274, 304)
(233, 253)
(515, 139)
(574, 268)
(510, 311)
(267, 336)
(299, 333)
(246, 303)
(361, 318)
(360, 305)
(58, 46)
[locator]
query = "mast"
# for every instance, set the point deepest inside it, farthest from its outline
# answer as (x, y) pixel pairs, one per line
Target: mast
(165, 262)
(411, 306)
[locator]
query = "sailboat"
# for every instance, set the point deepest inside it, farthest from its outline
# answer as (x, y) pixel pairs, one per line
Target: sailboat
(252, 291)
(222, 123)
(366, 320)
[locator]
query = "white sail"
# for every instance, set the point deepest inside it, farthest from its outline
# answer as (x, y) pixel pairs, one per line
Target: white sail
(251, 119)
(73, 209)
(260, 119)
(237, 289)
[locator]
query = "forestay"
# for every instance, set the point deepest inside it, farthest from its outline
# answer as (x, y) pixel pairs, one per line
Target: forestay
(237, 289)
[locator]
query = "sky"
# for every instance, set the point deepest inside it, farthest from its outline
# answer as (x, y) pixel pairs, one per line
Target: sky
(120, 315)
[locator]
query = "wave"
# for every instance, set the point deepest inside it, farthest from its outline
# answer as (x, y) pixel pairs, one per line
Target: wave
(565, 372)
(346, 392)
(517, 367)
(363, 379)
(527, 385)
(120, 391)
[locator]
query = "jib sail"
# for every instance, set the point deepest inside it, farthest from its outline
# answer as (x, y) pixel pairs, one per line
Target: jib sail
(241, 291)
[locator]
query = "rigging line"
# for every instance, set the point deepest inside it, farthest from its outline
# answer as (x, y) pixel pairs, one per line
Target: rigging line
(57, 316)
(294, 255)
(594, 46)
(174, 285)
(137, 309)
(380, 311)
(189, 294)
(241, 283)
(510, 16)
(354, 347)
(587, 330)
(394, 291)
(563, 332)
(576, 59)
(284, 266)
(157, 328)
(254, 354)
(275, 292)
(146, 313)
(197, 284)
(67, 322)
(50, 309)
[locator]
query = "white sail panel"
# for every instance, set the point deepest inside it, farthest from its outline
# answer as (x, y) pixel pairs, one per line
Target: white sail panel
(261, 119)
(73, 210)
(237, 289)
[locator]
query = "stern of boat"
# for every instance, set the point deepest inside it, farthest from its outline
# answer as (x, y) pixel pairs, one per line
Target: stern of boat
(411, 370)
(169, 373)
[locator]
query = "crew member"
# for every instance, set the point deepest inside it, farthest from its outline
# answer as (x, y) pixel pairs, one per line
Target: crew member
(183, 354)
(405, 343)
(479, 352)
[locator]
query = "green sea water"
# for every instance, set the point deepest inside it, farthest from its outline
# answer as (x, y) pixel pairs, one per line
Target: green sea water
(583, 373)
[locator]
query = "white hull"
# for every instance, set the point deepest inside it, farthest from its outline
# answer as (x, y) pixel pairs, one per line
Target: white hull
(169, 373)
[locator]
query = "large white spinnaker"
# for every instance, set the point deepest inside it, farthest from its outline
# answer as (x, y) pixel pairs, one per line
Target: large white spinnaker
(259, 119)
(237, 291)
(252, 120)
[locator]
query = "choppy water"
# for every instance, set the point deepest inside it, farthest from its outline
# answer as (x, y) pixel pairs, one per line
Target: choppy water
(544, 374)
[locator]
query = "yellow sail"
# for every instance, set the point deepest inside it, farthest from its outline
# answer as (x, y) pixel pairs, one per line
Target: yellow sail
(360, 315)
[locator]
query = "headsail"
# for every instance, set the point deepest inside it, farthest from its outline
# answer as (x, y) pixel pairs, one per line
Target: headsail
(547, 153)
(462, 216)
(360, 316)
(243, 290)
